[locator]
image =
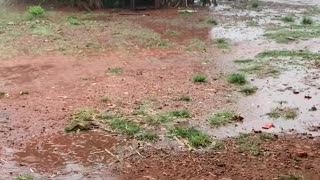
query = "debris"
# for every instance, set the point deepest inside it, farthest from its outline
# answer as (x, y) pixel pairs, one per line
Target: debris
(268, 126)
(307, 97)
(187, 11)
(24, 93)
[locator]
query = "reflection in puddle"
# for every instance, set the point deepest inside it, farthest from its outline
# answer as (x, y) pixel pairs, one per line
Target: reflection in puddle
(57, 151)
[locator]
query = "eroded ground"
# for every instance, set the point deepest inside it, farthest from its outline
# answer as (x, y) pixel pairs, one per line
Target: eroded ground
(160, 94)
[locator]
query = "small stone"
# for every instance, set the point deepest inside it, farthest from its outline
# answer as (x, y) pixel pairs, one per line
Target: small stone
(302, 154)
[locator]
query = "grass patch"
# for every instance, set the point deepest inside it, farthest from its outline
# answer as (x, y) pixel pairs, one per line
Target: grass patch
(261, 70)
(109, 115)
(24, 177)
(212, 21)
(81, 120)
(243, 61)
(250, 144)
(287, 19)
(290, 177)
(222, 118)
(248, 90)
(115, 70)
(148, 136)
(195, 137)
(255, 4)
(285, 113)
(125, 127)
(105, 99)
(180, 113)
(199, 78)
(173, 33)
(35, 11)
(2, 94)
(222, 43)
(196, 44)
(74, 21)
(307, 21)
(237, 78)
(178, 98)
(293, 33)
(286, 53)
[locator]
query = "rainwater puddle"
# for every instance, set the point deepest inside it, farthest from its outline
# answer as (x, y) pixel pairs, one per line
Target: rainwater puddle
(62, 156)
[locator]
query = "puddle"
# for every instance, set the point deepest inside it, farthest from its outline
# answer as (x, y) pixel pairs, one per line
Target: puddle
(237, 33)
(64, 155)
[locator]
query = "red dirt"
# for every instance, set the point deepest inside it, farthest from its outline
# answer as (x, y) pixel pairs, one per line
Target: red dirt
(287, 155)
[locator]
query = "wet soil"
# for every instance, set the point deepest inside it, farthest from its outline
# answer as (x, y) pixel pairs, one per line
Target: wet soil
(293, 155)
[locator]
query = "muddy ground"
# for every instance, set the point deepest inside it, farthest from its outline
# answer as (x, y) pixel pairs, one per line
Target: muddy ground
(117, 66)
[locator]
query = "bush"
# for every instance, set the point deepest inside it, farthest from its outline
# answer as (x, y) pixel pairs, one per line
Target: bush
(36, 10)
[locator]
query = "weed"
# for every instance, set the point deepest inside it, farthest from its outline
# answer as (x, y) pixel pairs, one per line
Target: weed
(180, 113)
(212, 21)
(248, 90)
(164, 117)
(289, 177)
(173, 33)
(255, 4)
(222, 43)
(286, 113)
(262, 70)
(243, 61)
(82, 120)
(179, 98)
(266, 136)
(35, 10)
(115, 70)
(109, 115)
(252, 23)
(286, 53)
(199, 78)
(197, 44)
(222, 118)
(195, 137)
(24, 177)
(42, 30)
(249, 143)
(148, 136)
(237, 78)
(287, 19)
(217, 144)
(306, 21)
(74, 21)
(105, 99)
(2, 94)
(126, 127)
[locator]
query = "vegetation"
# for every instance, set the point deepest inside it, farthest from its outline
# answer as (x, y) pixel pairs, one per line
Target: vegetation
(105, 99)
(36, 10)
(82, 119)
(2, 94)
(115, 70)
(212, 21)
(306, 21)
(74, 21)
(248, 90)
(199, 78)
(24, 177)
(237, 78)
(243, 61)
(286, 113)
(148, 136)
(222, 43)
(255, 4)
(287, 19)
(250, 144)
(287, 53)
(222, 118)
(290, 177)
(195, 137)
(126, 127)
(179, 98)
(261, 70)
(180, 113)
(173, 33)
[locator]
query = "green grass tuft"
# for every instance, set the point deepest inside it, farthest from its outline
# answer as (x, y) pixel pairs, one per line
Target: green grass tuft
(115, 70)
(286, 53)
(199, 78)
(286, 113)
(148, 136)
(306, 21)
(74, 21)
(248, 90)
(222, 43)
(287, 19)
(35, 10)
(183, 98)
(237, 78)
(81, 120)
(243, 61)
(180, 113)
(212, 21)
(24, 177)
(126, 127)
(173, 33)
(222, 118)
(290, 177)
(195, 137)
(250, 144)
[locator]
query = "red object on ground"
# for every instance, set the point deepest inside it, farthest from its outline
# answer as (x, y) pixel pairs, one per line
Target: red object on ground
(268, 126)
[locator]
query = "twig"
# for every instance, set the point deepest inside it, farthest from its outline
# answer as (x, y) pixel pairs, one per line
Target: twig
(111, 153)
